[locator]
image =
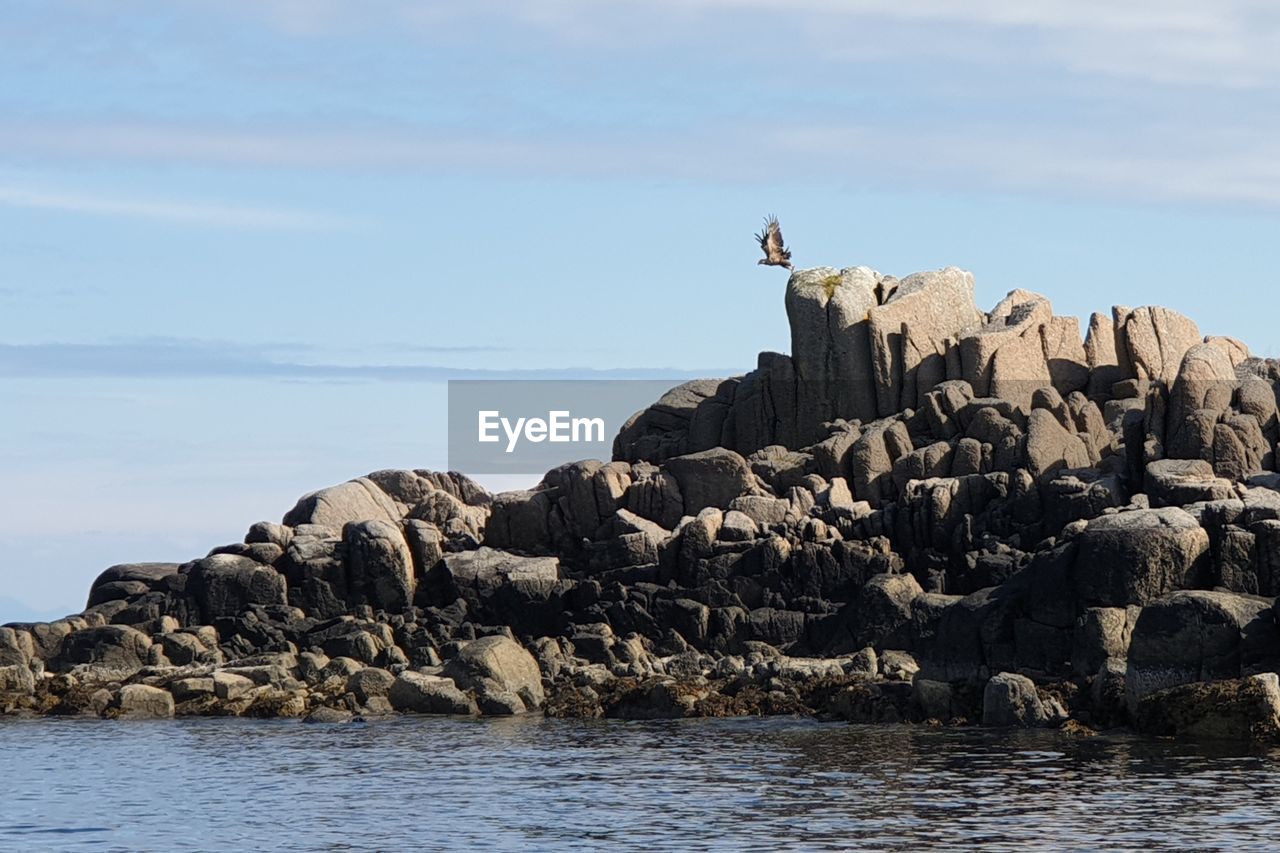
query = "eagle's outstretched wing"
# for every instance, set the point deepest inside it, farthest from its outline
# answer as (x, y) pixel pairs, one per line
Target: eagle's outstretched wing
(763, 238)
(771, 242)
(776, 243)
(775, 250)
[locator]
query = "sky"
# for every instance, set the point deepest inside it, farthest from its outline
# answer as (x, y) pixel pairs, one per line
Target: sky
(243, 243)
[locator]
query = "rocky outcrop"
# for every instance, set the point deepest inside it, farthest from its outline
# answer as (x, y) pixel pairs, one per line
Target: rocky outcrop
(1012, 700)
(1199, 635)
(1241, 709)
(924, 512)
(830, 313)
(1135, 557)
(504, 677)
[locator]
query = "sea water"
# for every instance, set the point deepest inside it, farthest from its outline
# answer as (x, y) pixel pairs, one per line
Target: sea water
(538, 784)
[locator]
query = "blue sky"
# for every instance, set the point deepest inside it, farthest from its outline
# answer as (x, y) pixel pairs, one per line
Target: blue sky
(241, 242)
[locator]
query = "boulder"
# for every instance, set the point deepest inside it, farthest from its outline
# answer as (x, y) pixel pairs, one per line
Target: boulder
(1257, 398)
(316, 573)
(426, 544)
(458, 520)
(625, 521)
(229, 686)
(763, 510)
(519, 521)
(1101, 355)
(1101, 633)
(337, 506)
(872, 457)
(349, 643)
(369, 682)
(1050, 447)
(1198, 635)
(764, 407)
(477, 575)
(698, 536)
(661, 430)
(775, 626)
(1012, 700)
(183, 648)
(46, 638)
(417, 693)
(410, 489)
(738, 527)
(897, 665)
(1239, 447)
(267, 532)
(1155, 341)
(379, 565)
(1201, 393)
(587, 493)
(935, 699)
(711, 478)
(1177, 482)
(1005, 357)
(140, 701)
(1065, 354)
(1240, 709)
(118, 648)
(326, 715)
(912, 331)
(15, 674)
(782, 468)
(128, 580)
(998, 432)
(943, 406)
(1135, 557)
(828, 312)
(655, 495)
(499, 670)
(1080, 494)
(883, 610)
(226, 585)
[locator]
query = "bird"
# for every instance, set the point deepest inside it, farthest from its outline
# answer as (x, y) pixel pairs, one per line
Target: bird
(776, 254)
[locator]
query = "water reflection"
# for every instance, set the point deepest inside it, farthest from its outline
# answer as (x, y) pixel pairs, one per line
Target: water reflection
(556, 785)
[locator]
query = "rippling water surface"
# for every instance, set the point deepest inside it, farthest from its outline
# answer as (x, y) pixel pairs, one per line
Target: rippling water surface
(558, 785)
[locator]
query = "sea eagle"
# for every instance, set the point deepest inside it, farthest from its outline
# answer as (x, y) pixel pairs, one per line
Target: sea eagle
(776, 254)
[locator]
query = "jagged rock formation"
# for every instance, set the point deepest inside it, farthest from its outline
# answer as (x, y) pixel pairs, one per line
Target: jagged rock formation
(925, 511)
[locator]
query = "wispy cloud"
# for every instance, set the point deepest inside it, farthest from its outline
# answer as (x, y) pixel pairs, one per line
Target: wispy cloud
(1226, 43)
(1144, 101)
(192, 213)
(1153, 160)
(214, 143)
(194, 359)
(1217, 167)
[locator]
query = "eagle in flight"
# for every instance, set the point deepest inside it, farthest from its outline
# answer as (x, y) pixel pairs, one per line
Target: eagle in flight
(776, 254)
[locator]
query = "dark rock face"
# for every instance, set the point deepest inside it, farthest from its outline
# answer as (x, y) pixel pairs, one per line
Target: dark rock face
(1241, 709)
(711, 478)
(1135, 557)
(225, 585)
(1200, 636)
(379, 565)
(120, 583)
(923, 512)
(116, 647)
